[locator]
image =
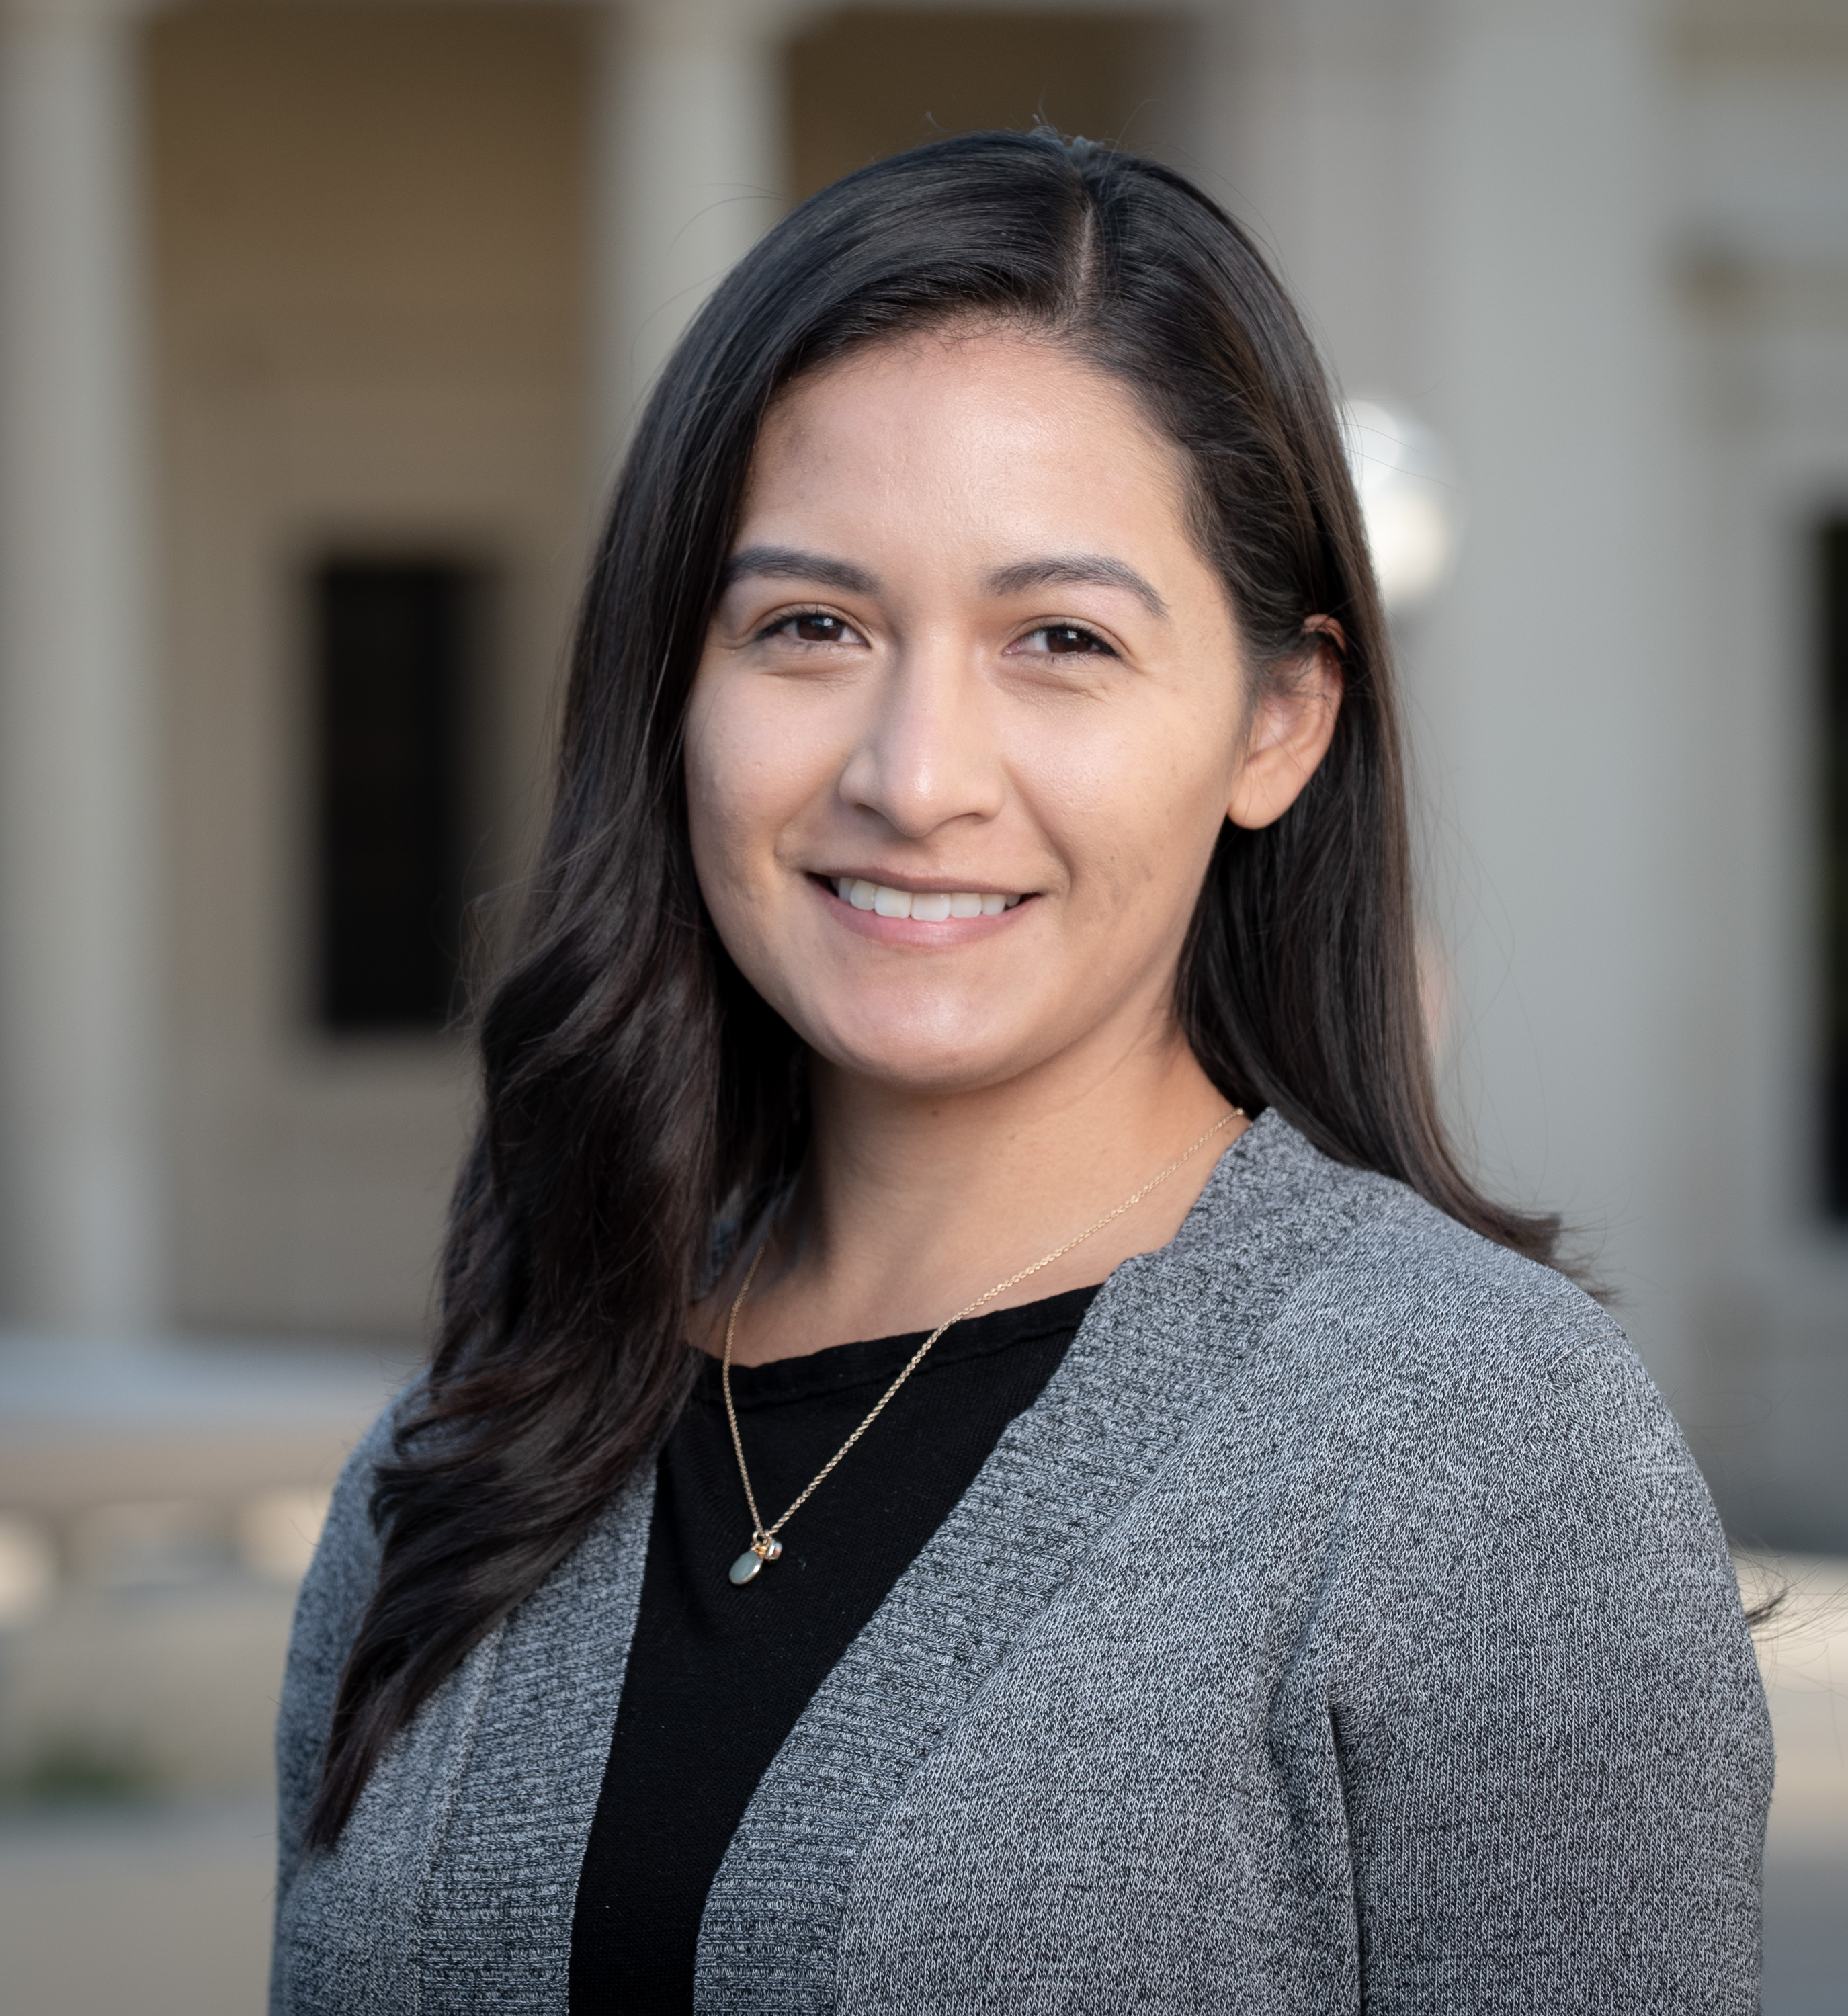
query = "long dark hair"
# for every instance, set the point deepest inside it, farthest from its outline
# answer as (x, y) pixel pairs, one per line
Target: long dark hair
(636, 1090)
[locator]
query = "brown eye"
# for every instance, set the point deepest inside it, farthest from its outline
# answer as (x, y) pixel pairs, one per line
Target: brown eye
(815, 627)
(1066, 640)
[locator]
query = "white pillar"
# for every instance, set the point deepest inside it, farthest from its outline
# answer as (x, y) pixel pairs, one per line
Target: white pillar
(1562, 691)
(79, 1002)
(1467, 197)
(691, 171)
(1306, 119)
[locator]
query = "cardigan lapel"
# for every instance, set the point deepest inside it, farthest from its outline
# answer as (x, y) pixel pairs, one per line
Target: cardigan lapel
(495, 1922)
(1063, 1470)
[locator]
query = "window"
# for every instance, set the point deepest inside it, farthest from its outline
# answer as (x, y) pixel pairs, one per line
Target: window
(1834, 629)
(390, 651)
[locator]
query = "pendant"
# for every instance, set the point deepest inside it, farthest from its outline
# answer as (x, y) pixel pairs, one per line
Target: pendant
(750, 1565)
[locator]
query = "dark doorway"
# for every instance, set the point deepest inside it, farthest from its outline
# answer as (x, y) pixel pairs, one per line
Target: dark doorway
(1834, 638)
(392, 647)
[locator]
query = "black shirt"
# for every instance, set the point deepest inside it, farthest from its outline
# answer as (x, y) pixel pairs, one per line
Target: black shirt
(718, 1675)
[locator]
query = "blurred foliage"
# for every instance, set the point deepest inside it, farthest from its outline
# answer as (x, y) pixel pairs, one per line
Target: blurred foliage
(77, 1768)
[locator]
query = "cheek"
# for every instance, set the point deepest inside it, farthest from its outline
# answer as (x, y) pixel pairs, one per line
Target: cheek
(739, 794)
(1135, 811)
(732, 826)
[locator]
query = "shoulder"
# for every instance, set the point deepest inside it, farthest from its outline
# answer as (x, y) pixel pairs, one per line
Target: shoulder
(1514, 1611)
(334, 1593)
(1447, 1367)
(1412, 1295)
(1491, 1412)
(1483, 1342)
(346, 1561)
(1506, 1471)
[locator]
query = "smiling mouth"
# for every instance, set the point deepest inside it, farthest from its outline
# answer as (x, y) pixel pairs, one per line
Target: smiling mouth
(928, 906)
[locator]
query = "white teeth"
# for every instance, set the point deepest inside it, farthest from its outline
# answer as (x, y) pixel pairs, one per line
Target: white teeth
(929, 907)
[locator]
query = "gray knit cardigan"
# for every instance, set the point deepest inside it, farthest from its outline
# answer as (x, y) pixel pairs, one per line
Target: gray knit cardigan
(1344, 1627)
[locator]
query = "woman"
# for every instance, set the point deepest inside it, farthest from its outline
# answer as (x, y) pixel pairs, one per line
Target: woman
(1239, 1572)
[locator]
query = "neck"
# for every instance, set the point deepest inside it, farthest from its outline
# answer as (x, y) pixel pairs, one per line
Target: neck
(913, 1204)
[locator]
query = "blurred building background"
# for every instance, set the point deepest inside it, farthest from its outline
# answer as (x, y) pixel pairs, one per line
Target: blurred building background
(322, 322)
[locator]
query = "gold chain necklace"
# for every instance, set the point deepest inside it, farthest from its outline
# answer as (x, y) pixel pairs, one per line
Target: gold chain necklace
(765, 1546)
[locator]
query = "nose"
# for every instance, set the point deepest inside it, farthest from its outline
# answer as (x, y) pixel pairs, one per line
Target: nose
(927, 756)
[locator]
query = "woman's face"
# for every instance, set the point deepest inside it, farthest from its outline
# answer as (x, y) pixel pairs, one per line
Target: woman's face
(969, 717)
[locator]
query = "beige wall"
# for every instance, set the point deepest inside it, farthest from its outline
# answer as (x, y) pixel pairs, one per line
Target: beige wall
(862, 86)
(367, 224)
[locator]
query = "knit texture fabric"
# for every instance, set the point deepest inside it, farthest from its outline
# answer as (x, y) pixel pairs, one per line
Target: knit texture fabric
(1346, 1626)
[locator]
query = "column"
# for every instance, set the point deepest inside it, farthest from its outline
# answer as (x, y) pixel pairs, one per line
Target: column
(1467, 197)
(1565, 697)
(79, 1000)
(1306, 119)
(690, 170)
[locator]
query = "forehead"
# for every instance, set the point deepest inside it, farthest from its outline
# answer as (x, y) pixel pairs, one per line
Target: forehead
(973, 420)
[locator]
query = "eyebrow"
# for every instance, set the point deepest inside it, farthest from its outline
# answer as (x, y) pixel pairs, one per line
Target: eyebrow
(790, 563)
(1098, 570)
(787, 563)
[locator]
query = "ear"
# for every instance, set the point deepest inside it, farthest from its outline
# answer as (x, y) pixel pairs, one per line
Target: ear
(1291, 726)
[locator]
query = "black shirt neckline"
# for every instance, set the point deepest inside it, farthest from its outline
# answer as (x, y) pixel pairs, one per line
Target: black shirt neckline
(718, 1675)
(877, 1360)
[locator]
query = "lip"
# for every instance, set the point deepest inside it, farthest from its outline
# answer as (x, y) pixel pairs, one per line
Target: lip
(908, 931)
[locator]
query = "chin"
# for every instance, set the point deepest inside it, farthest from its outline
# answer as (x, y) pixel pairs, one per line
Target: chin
(909, 1061)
